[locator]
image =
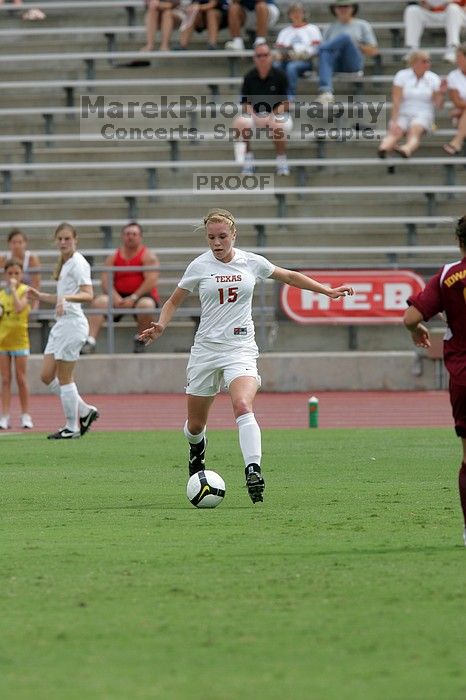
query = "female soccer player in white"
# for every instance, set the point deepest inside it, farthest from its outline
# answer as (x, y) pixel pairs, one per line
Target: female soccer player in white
(224, 349)
(68, 334)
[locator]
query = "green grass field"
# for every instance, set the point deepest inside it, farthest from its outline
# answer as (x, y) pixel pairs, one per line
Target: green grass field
(346, 583)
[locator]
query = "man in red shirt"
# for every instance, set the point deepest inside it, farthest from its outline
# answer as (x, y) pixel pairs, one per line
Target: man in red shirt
(131, 289)
(446, 292)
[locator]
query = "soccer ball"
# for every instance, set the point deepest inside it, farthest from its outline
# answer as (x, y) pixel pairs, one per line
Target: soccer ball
(205, 489)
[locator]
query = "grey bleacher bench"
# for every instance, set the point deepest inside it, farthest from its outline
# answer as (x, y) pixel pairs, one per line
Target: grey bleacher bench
(302, 166)
(174, 139)
(340, 223)
(280, 193)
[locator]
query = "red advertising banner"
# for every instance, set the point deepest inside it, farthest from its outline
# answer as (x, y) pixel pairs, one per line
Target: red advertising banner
(379, 297)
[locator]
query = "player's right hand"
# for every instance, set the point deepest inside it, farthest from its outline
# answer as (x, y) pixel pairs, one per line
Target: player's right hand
(150, 334)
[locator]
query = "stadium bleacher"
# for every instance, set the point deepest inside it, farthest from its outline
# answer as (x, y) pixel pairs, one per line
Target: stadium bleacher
(339, 204)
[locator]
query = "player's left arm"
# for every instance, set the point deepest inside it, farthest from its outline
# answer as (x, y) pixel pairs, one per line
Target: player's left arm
(413, 321)
(297, 279)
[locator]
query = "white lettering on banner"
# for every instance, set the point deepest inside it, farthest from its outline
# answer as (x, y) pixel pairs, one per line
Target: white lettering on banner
(312, 300)
(395, 295)
(359, 300)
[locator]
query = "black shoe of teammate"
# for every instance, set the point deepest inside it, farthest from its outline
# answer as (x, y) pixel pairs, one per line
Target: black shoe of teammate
(64, 434)
(255, 482)
(197, 457)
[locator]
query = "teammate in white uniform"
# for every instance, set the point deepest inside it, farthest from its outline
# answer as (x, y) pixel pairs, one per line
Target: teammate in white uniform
(224, 350)
(68, 334)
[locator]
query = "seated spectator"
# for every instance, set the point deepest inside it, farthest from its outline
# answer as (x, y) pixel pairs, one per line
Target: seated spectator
(204, 14)
(435, 13)
(131, 290)
(346, 42)
(258, 15)
(456, 83)
(164, 15)
(17, 249)
(416, 92)
(265, 107)
(295, 46)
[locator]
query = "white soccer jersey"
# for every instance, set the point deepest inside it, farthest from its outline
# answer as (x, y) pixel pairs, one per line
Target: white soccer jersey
(225, 293)
(74, 273)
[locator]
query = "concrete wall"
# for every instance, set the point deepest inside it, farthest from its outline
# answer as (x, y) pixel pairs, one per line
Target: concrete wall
(339, 371)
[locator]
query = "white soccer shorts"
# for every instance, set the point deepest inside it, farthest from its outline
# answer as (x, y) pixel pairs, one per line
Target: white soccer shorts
(209, 371)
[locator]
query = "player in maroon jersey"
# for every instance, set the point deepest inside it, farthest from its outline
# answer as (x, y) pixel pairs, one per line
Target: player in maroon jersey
(446, 292)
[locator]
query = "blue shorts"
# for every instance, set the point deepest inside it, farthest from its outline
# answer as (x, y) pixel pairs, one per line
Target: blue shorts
(15, 353)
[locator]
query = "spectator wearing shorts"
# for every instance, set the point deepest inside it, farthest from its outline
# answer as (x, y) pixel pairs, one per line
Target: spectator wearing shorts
(14, 341)
(416, 92)
(67, 335)
(201, 15)
(264, 111)
(258, 15)
(446, 293)
(456, 84)
(224, 351)
(131, 290)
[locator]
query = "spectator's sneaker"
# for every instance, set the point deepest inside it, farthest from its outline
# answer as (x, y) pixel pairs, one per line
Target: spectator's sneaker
(259, 40)
(236, 44)
(255, 483)
(197, 457)
(5, 423)
(248, 167)
(64, 434)
(138, 345)
(26, 421)
(282, 166)
(325, 98)
(86, 421)
(450, 56)
(88, 348)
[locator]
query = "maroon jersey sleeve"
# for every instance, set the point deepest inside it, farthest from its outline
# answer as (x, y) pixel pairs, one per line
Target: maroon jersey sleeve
(429, 302)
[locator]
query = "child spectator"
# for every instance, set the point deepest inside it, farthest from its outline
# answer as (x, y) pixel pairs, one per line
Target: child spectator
(14, 341)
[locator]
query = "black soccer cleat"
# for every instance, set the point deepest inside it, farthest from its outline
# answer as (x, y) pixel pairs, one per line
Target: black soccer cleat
(197, 457)
(64, 434)
(255, 483)
(86, 421)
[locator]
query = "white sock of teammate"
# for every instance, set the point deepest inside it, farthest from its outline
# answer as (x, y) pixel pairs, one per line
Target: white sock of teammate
(69, 400)
(193, 439)
(54, 387)
(249, 439)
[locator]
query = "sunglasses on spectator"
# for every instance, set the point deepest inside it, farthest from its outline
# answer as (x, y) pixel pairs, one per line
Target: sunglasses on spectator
(261, 55)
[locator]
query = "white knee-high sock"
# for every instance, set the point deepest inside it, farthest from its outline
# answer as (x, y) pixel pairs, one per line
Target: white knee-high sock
(69, 400)
(83, 407)
(54, 387)
(249, 438)
(193, 439)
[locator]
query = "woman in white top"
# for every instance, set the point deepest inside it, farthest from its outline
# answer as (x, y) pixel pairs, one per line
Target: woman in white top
(17, 249)
(416, 93)
(224, 350)
(456, 82)
(69, 333)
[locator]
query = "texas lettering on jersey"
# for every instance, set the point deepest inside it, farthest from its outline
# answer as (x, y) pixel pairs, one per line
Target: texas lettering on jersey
(227, 278)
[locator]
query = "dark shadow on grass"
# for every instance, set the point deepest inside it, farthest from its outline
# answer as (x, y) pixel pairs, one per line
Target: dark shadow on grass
(428, 549)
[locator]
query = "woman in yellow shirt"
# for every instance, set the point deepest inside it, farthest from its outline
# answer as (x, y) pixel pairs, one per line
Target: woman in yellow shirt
(14, 341)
